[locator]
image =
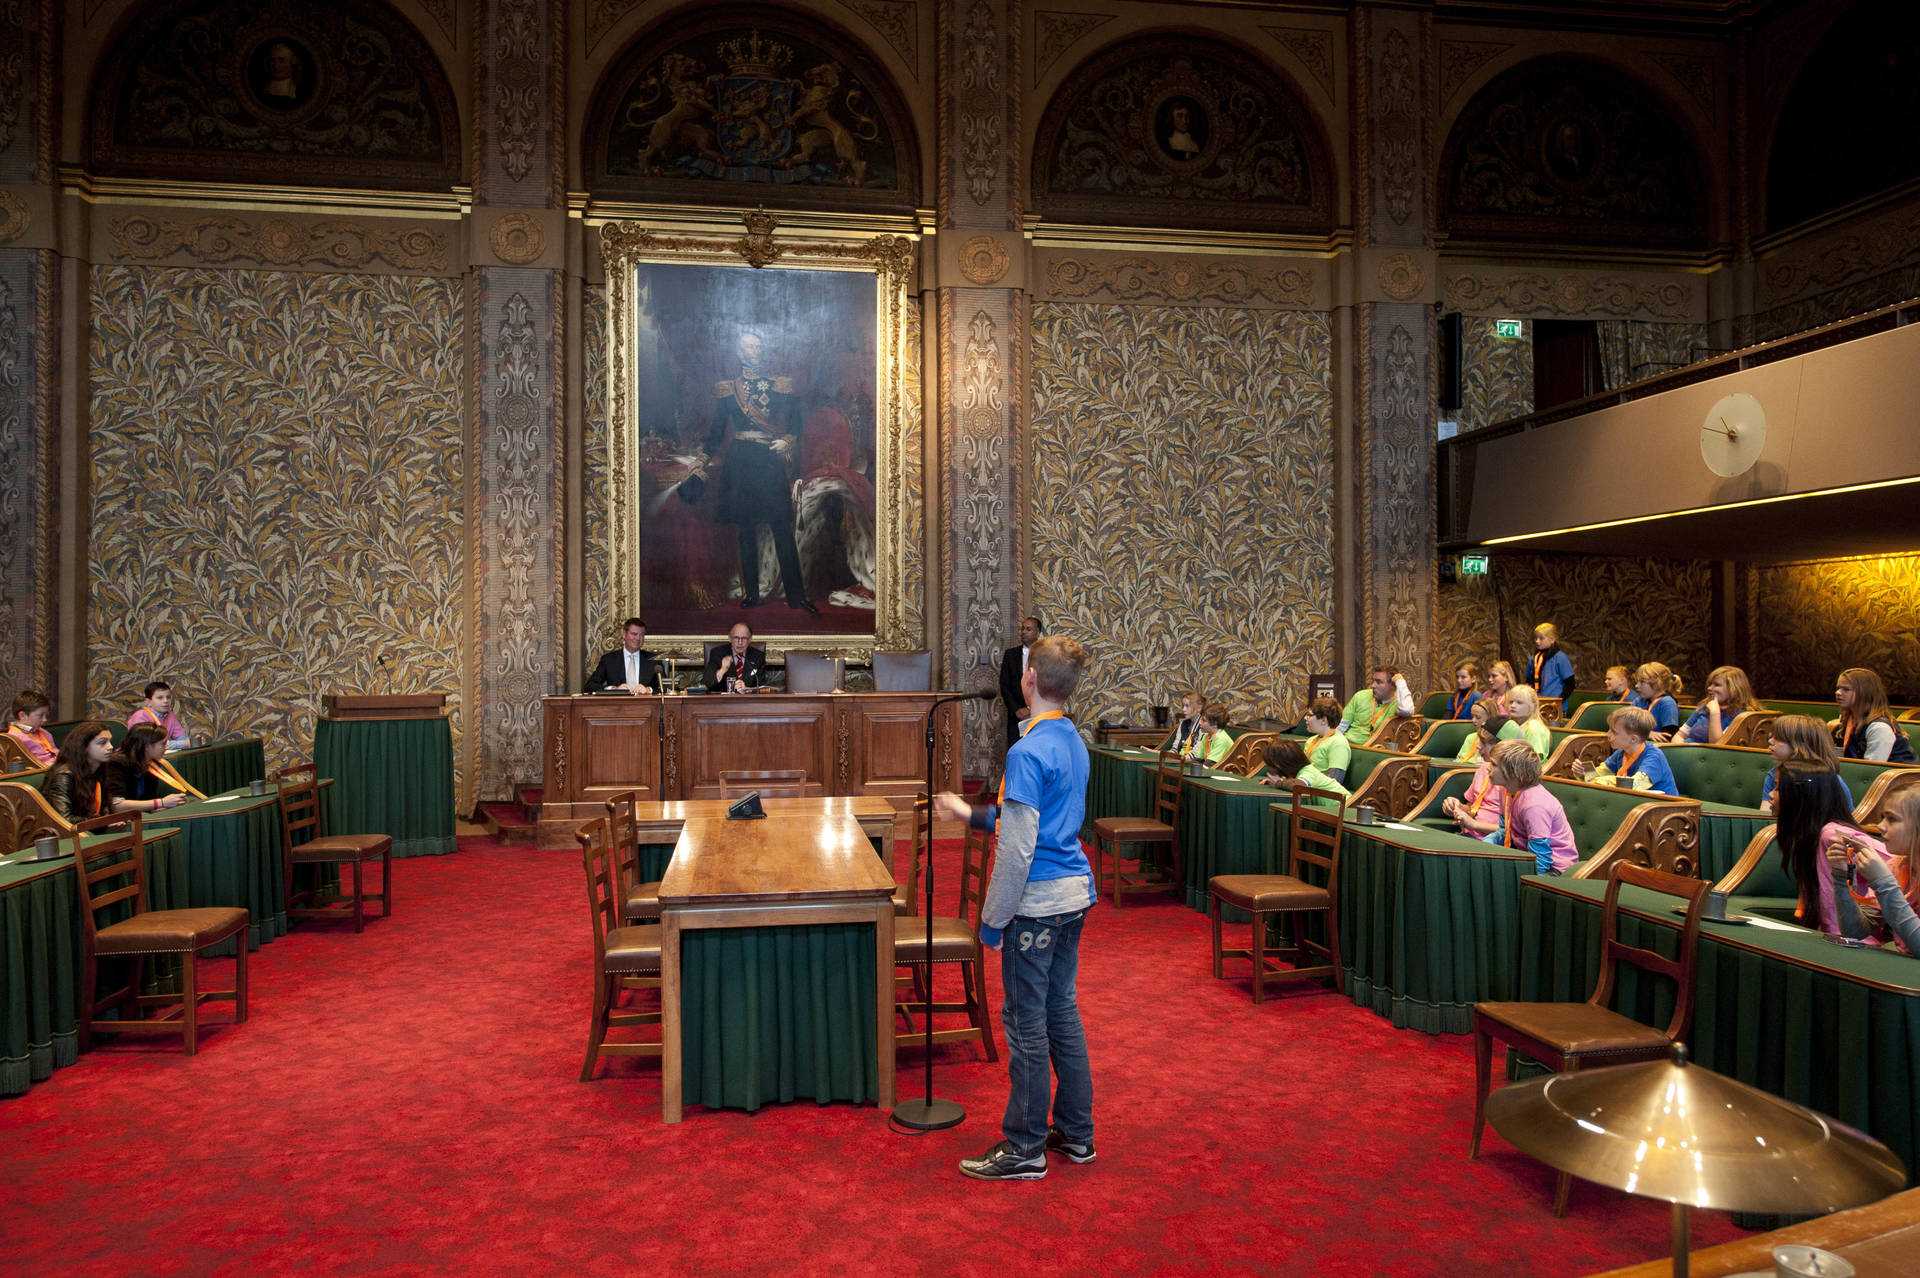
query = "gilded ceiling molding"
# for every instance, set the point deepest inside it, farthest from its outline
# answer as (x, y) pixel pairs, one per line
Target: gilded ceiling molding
(1536, 293)
(1313, 47)
(982, 133)
(897, 21)
(1178, 279)
(1825, 259)
(518, 238)
(1459, 59)
(1055, 32)
(984, 260)
(15, 217)
(276, 241)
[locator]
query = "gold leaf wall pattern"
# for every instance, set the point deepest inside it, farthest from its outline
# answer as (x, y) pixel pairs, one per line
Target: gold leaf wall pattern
(1816, 619)
(1611, 611)
(1182, 518)
(276, 494)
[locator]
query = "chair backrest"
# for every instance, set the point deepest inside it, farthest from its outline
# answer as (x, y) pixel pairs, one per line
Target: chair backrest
(922, 820)
(810, 671)
(1167, 789)
(603, 899)
(623, 833)
(1750, 728)
(25, 816)
(1317, 820)
(772, 783)
(1442, 738)
(1592, 716)
(121, 855)
(976, 867)
(1245, 756)
(902, 671)
(1614, 951)
(299, 805)
(14, 757)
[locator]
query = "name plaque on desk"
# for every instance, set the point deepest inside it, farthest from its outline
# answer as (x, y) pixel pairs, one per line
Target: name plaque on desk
(349, 706)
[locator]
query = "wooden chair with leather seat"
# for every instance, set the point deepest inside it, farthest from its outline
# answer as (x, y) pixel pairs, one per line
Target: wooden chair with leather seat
(619, 952)
(1111, 834)
(146, 933)
(1570, 1036)
(639, 900)
(300, 814)
(1315, 841)
(955, 940)
(772, 783)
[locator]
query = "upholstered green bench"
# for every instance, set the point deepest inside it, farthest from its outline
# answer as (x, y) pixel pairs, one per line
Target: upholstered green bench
(1607, 823)
(1440, 743)
(1591, 716)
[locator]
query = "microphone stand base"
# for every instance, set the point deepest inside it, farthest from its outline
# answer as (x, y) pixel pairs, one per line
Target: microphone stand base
(928, 1115)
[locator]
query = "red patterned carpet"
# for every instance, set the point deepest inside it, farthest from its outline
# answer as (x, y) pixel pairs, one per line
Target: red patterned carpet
(405, 1102)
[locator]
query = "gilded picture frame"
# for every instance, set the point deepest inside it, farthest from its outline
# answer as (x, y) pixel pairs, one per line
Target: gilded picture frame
(627, 249)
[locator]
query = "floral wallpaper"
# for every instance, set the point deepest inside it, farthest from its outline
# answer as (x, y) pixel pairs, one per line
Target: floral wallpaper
(1496, 373)
(1815, 619)
(600, 623)
(1611, 611)
(1190, 447)
(277, 495)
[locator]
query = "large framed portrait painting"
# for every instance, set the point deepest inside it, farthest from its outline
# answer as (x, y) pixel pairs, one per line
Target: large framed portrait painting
(754, 436)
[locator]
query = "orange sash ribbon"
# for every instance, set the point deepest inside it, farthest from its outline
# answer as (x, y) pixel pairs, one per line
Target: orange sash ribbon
(1025, 728)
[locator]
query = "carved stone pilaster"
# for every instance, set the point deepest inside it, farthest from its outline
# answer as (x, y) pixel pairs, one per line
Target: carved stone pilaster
(516, 544)
(1395, 550)
(984, 546)
(982, 180)
(28, 336)
(519, 68)
(1392, 81)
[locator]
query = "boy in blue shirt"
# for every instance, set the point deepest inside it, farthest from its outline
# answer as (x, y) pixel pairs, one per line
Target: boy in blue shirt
(1628, 730)
(1036, 902)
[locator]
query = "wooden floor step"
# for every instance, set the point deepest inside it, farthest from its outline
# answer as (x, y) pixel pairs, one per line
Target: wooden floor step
(508, 822)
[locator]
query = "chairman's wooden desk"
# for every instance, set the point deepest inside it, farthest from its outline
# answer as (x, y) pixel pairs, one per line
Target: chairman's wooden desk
(786, 871)
(675, 747)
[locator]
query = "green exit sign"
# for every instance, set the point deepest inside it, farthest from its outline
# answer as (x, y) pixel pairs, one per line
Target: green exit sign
(1473, 565)
(1507, 328)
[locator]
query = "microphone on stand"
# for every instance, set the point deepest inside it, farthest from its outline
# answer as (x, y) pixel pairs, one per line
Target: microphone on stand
(381, 660)
(929, 1114)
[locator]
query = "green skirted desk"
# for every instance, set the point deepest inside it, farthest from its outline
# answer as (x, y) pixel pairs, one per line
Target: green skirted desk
(395, 778)
(1428, 919)
(1825, 1026)
(776, 965)
(1119, 784)
(1221, 815)
(222, 766)
(223, 850)
(40, 948)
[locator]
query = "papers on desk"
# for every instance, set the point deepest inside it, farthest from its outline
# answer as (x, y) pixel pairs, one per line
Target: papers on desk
(1775, 924)
(226, 798)
(1395, 825)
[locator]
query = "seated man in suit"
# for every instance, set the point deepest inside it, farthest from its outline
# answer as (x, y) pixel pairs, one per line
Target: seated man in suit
(740, 666)
(630, 668)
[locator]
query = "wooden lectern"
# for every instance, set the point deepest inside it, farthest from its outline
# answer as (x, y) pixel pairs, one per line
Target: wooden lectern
(391, 760)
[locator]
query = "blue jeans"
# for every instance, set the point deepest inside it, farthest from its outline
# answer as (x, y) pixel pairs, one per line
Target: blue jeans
(1039, 960)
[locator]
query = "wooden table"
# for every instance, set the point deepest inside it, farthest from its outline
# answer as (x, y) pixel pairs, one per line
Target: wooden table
(889, 820)
(779, 872)
(675, 747)
(1881, 1240)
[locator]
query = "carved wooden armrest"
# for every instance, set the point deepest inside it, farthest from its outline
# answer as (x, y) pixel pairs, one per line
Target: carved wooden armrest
(1395, 786)
(1663, 834)
(1590, 748)
(25, 815)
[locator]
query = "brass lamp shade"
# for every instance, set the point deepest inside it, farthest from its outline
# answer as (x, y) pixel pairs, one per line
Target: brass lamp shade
(1683, 1134)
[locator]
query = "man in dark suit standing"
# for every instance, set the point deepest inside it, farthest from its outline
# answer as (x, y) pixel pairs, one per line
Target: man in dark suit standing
(756, 419)
(1013, 665)
(741, 666)
(630, 668)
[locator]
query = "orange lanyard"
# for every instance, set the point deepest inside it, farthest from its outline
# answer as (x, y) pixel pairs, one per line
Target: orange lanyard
(1459, 699)
(1476, 796)
(1315, 743)
(96, 799)
(1539, 660)
(1628, 760)
(1848, 734)
(1506, 821)
(1025, 728)
(39, 736)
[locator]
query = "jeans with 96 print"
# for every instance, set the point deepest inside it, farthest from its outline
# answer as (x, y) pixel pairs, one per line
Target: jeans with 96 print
(1039, 961)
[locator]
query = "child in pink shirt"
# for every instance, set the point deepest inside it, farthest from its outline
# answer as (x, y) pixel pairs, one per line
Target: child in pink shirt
(1535, 821)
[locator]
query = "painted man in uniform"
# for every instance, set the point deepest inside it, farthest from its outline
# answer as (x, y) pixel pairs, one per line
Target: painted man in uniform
(760, 414)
